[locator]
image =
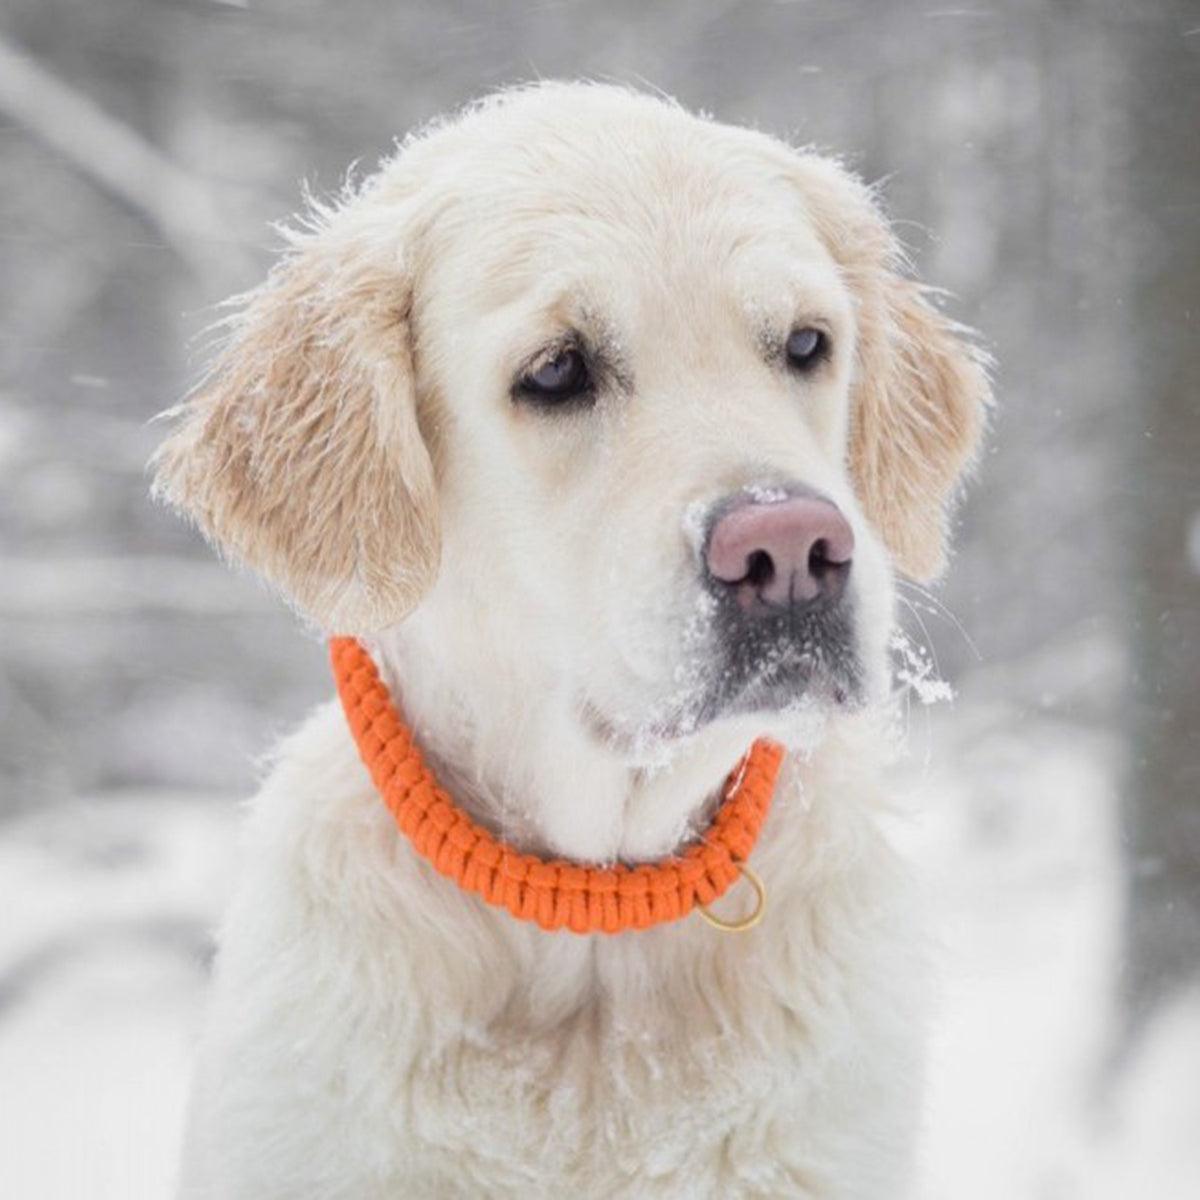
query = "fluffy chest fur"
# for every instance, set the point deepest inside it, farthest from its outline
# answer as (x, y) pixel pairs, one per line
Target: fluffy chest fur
(378, 1033)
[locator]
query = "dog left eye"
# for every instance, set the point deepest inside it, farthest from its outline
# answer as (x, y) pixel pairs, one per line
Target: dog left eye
(806, 347)
(558, 376)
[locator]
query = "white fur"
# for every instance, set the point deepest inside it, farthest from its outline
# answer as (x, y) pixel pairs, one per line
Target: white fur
(375, 1031)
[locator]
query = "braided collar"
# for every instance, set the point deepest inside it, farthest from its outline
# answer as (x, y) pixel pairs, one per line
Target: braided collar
(554, 894)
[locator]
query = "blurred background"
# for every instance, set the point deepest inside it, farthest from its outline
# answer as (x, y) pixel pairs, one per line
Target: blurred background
(1043, 163)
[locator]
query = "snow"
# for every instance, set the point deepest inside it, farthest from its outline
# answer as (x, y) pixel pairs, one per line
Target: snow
(1015, 830)
(1022, 867)
(1013, 827)
(107, 905)
(915, 670)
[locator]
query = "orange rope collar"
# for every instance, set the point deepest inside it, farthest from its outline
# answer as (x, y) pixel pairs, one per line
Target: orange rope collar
(558, 894)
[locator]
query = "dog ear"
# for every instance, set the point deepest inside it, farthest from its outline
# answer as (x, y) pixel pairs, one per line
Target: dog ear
(921, 391)
(300, 453)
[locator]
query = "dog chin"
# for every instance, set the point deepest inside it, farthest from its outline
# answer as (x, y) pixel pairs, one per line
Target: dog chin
(790, 698)
(789, 689)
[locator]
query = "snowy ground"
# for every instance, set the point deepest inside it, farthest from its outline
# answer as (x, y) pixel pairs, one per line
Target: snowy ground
(102, 965)
(107, 907)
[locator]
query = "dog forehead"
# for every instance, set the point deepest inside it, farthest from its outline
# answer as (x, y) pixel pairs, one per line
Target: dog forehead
(625, 206)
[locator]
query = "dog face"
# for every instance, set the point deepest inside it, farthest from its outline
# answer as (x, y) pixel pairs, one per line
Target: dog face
(635, 404)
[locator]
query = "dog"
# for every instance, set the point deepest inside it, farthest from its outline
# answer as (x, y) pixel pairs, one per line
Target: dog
(604, 428)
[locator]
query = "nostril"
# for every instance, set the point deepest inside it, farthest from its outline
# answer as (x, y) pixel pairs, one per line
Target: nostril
(760, 569)
(828, 568)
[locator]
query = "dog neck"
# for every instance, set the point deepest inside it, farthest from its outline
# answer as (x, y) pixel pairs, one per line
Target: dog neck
(516, 756)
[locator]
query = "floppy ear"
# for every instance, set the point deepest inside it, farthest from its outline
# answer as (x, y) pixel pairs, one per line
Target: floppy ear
(920, 392)
(300, 453)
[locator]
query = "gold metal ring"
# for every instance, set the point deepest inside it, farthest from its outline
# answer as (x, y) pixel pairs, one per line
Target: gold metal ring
(740, 926)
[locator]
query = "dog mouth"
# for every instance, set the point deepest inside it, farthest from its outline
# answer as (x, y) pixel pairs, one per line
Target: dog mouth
(788, 664)
(785, 660)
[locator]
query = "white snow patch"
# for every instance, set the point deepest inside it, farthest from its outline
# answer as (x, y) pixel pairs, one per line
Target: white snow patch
(763, 494)
(107, 909)
(695, 524)
(915, 670)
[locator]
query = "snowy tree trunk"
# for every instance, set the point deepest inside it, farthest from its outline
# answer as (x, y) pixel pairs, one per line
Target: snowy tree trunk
(1162, 819)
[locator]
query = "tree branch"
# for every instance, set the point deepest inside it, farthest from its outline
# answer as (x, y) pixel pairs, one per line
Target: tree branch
(120, 161)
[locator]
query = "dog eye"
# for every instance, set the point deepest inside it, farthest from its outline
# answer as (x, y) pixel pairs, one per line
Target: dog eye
(558, 376)
(806, 347)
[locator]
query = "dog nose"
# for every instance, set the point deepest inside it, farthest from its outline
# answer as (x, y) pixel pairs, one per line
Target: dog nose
(780, 554)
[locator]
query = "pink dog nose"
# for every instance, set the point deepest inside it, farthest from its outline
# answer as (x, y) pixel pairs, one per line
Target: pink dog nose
(790, 552)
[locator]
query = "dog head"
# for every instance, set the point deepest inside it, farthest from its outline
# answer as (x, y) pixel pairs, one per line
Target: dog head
(639, 408)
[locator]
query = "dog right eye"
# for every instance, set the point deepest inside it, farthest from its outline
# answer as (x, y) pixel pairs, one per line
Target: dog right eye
(558, 376)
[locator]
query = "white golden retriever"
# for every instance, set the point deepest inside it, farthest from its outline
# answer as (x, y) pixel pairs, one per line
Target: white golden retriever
(603, 426)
